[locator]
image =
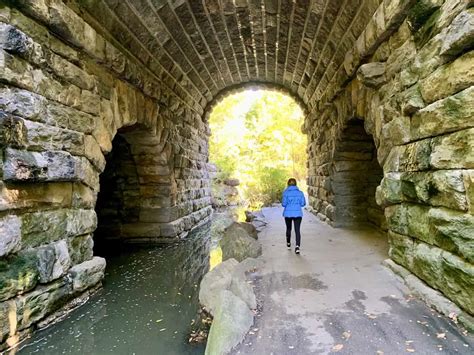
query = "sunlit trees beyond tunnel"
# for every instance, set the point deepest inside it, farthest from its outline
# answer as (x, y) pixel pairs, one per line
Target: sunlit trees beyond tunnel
(256, 138)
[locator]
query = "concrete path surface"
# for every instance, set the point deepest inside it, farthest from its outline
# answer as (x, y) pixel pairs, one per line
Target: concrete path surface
(336, 297)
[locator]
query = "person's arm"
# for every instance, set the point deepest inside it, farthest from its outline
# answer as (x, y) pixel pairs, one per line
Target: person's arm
(303, 200)
(284, 201)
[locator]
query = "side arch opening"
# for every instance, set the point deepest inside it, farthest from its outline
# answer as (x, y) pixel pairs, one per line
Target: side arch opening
(137, 197)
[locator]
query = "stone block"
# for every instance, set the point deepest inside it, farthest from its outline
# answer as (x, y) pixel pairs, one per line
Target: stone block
(13, 132)
(42, 301)
(453, 231)
(401, 249)
(438, 188)
(53, 261)
(450, 114)
(415, 156)
(219, 278)
(458, 276)
(390, 190)
(87, 274)
(453, 151)
(231, 322)
(468, 176)
(48, 226)
(427, 264)
(18, 274)
(449, 79)
(17, 196)
(10, 231)
(141, 230)
(45, 137)
(460, 35)
(80, 248)
(27, 166)
(372, 74)
(237, 244)
(22, 103)
(93, 152)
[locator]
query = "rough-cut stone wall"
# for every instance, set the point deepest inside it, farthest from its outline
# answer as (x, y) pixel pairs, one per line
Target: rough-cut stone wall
(409, 77)
(65, 92)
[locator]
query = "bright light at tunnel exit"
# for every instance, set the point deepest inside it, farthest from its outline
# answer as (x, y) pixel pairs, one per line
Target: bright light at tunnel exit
(256, 138)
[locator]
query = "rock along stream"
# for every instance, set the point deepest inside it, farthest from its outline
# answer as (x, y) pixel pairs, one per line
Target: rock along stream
(147, 305)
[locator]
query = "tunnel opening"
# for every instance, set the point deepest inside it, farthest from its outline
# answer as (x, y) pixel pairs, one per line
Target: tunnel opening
(137, 197)
(356, 176)
(256, 140)
(118, 198)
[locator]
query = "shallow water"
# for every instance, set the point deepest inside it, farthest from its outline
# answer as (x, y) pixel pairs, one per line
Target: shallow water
(147, 304)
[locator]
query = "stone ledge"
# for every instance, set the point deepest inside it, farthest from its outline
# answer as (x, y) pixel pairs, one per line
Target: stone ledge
(431, 297)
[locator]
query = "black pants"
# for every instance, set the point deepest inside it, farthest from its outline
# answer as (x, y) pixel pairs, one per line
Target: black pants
(297, 222)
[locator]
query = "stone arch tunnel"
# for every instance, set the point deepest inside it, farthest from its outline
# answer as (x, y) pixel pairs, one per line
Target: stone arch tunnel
(386, 86)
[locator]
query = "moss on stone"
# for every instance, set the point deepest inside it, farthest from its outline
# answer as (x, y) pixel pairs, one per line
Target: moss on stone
(420, 13)
(18, 273)
(427, 30)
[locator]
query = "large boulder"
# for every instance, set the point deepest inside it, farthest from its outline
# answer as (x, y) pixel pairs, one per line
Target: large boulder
(242, 289)
(213, 282)
(231, 322)
(236, 243)
(250, 228)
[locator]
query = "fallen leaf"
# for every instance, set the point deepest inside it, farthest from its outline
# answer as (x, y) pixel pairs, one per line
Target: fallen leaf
(380, 352)
(159, 320)
(337, 347)
(291, 347)
(162, 329)
(346, 335)
(410, 350)
(441, 335)
(453, 316)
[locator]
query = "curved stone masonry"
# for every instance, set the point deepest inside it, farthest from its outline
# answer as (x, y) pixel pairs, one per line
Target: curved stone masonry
(74, 74)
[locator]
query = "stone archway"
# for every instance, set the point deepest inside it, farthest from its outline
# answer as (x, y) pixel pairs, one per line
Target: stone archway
(346, 197)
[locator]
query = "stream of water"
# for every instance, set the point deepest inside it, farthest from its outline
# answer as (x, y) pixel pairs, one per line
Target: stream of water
(147, 305)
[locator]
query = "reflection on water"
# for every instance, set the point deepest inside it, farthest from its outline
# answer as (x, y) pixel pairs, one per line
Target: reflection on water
(149, 299)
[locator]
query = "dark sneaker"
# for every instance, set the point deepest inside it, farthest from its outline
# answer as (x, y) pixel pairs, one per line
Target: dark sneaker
(297, 250)
(288, 245)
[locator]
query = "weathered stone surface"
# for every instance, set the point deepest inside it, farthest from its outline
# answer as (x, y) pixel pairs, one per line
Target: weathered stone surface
(242, 289)
(460, 36)
(372, 74)
(48, 226)
(236, 243)
(453, 231)
(10, 231)
(438, 188)
(449, 79)
(18, 274)
(459, 278)
(213, 282)
(453, 151)
(53, 261)
(87, 274)
(447, 115)
(80, 248)
(250, 229)
(17, 196)
(231, 322)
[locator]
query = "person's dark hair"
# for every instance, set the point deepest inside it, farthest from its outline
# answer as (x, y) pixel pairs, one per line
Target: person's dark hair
(292, 182)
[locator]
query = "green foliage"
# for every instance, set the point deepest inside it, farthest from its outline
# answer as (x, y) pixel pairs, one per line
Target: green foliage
(256, 137)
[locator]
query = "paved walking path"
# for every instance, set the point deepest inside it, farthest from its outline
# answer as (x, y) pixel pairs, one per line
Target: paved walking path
(336, 297)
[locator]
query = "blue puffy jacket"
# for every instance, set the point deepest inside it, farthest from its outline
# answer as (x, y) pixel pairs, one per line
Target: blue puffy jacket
(293, 200)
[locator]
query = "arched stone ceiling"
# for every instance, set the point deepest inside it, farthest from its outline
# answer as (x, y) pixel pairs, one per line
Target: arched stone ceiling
(206, 46)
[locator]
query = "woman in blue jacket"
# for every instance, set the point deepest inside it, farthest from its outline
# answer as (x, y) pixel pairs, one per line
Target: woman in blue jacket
(293, 200)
